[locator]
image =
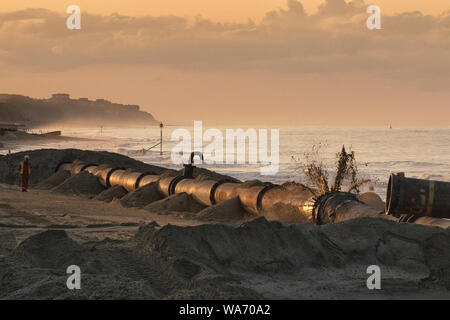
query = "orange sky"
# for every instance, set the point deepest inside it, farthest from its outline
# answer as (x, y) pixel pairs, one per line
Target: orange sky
(223, 10)
(291, 68)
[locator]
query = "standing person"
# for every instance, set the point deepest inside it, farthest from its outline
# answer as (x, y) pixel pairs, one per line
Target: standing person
(24, 170)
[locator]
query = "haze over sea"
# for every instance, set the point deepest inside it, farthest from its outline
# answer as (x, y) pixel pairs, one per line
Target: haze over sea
(421, 152)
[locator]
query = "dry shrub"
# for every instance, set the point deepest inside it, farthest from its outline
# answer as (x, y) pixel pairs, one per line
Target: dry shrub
(346, 171)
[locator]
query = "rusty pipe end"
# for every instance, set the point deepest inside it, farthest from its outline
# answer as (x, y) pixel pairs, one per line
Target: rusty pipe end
(393, 192)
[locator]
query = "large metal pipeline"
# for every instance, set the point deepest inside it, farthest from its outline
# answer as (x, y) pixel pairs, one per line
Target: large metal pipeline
(131, 180)
(342, 206)
(329, 208)
(145, 179)
(254, 198)
(112, 176)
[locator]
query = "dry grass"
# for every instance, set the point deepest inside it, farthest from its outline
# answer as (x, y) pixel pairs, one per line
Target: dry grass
(346, 172)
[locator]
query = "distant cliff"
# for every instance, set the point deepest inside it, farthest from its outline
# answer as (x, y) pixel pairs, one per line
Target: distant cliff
(61, 109)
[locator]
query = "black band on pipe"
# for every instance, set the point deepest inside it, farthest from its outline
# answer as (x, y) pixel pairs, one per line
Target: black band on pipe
(212, 195)
(174, 183)
(138, 180)
(261, 194)
(393, 193)
(108, 176)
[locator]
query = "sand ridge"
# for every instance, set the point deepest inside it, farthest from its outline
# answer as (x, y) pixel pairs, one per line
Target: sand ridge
(256, 260)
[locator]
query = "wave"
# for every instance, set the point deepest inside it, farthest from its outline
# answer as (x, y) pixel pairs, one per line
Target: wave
(406, 163)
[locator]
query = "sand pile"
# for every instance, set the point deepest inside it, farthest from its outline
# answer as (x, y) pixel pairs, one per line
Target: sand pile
(54, 180)
(260, 246)
(168, 173)
(258, 259)
(180, 202)
(50, 249)
(227, 211)
(83, 184)
(141, 197)
(210, 175)
(7, 243)
(115, 192)
(373, 200)
(36, 269)
(46, 161)
(252, 183)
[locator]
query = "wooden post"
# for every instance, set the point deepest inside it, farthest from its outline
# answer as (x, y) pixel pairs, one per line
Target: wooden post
(160, 141)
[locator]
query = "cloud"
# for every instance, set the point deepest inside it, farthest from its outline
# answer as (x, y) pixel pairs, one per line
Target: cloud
(333, 40)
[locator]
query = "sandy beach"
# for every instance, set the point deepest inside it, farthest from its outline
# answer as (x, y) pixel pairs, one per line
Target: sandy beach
(128, 249)
(225, 150)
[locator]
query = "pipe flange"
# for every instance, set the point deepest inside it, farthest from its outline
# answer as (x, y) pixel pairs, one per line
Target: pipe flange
(269, 186)
(212, 195)
(173, 184)
(138, 180)
(108, 176)
(322, 202)
(394, 193)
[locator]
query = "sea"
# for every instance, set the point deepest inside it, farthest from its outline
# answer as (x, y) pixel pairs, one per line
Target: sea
(419, 152)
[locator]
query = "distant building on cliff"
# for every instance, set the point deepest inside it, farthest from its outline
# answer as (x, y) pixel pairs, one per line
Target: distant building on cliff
(98, 103)
(60, 96)
(61, 108)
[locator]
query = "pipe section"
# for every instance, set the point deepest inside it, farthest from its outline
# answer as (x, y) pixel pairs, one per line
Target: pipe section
(416, 197)
(202, 191)
(167, 185)
(145, 179)
(226, 191)
(341, 206)
(77, 168)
